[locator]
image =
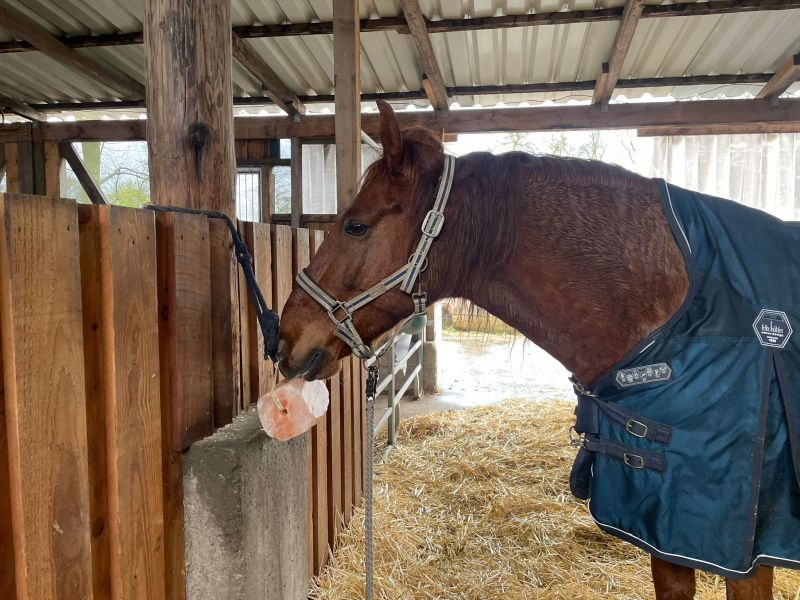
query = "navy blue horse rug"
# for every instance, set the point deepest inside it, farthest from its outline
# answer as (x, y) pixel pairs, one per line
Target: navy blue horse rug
(690, 445)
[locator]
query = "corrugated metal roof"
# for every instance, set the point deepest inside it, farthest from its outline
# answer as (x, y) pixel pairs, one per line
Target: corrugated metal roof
(756, 42)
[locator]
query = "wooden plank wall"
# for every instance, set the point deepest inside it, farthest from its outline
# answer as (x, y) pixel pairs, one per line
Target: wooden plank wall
(126, 337)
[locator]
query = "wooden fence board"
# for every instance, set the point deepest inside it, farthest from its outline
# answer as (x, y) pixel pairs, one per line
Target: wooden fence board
(282, 262)
(258, 239)
(128, 355)
(246, 386)
(364, 423)
(334, 459)
(187, 311)
(346, 387)
(320, 465)
(358, 433)
(94, 334)
(44, 375)
(225, 358)
(7, 581)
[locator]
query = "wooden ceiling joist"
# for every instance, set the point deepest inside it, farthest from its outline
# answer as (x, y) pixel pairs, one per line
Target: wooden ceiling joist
(432, 82)
(610, 71)
(477, 90)
(20, 108)
(784, 78)
(88, 184)
(37, 36)
(755, 113)
(399, 24)
(274, 88)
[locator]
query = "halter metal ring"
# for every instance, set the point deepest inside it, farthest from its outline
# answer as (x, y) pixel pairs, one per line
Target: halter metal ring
(336, 307)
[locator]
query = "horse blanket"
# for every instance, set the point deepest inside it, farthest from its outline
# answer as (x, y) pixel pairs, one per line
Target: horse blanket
(690, 445)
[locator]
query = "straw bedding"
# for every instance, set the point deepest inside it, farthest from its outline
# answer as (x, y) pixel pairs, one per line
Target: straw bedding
(475, 504)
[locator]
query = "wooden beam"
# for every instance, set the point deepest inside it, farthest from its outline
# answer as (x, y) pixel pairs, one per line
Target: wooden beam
(535, 118)
(610, 71)
(82, 174)
(273, 87)
(347, 92)
(190, 108)
(432, 81)
(21, 109)
(469, 90)
(720, 129)
(20, 26)
(297, 182)
(2, 161)
(399, 25)
(788, 74)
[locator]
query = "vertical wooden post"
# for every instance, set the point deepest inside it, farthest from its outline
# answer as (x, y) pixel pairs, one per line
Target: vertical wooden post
(12, 169)
(25, 171)
(347, 92)
(54, 169)
(267, 194)
(189, 103)
(297, 182)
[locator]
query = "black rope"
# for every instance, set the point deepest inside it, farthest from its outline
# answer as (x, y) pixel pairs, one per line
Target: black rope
(268, 320)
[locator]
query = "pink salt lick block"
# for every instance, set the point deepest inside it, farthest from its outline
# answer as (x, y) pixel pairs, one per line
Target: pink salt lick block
(292, 408)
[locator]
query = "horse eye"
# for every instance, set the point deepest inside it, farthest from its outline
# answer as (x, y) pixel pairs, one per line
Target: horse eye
(355, 228)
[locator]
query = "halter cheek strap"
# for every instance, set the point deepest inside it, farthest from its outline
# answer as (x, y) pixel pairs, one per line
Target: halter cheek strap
(341, 313)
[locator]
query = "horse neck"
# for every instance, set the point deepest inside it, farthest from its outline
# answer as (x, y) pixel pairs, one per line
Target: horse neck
(577, 256)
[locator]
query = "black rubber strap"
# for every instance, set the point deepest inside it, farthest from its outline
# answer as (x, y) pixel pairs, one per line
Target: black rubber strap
(635, 424)
(268, 320)
(635, 458)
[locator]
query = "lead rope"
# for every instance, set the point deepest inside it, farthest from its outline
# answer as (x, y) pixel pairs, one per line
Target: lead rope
(372, 388)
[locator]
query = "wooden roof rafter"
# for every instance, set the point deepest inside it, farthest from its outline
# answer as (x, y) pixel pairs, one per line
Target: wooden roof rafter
(399, 24)
(37, 36)
(272, 85)
(432, 82)
(787, 75)
(610, 71)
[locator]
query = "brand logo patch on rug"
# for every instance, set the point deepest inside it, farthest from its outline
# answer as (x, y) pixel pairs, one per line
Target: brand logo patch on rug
(772, 328)
(640, 375)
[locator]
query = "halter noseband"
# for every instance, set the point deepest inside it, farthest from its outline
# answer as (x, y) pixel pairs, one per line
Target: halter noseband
(341, 313)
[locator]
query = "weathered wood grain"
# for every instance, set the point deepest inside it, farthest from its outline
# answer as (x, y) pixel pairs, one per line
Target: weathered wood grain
(358, 431)
(282, 264)
(41, 322)
(189, 103)
(225, 358)
(347, 98)
(346, 394)
(334, 459)
(127, 353)
(186, 310)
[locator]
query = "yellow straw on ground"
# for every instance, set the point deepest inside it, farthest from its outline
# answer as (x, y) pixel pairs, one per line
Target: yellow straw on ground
(475, 504)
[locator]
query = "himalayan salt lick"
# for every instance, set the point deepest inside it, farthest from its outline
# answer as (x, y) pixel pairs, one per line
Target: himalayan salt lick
(292, 408)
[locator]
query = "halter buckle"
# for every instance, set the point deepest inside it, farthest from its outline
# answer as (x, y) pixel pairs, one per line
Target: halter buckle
(433, 223)
(634, 461)
(420, 302)
(339, 306)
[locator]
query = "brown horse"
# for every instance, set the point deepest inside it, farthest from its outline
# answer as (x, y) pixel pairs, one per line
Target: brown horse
(576, 255)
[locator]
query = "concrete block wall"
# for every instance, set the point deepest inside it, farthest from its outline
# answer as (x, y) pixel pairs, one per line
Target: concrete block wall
(245, 515)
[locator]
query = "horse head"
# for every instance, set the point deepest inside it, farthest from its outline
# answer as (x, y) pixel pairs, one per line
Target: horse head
(372, 239)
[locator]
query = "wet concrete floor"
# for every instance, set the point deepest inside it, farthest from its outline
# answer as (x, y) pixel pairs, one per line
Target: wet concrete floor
(478, 370)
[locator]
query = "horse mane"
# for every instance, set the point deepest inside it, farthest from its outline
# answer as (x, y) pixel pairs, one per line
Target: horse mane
(484, 232)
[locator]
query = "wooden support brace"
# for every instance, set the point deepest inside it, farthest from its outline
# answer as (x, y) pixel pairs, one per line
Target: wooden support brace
(273, 87)
(19, 25)
(784, 78)
(432, 82)
(84, 178)
(609, 74)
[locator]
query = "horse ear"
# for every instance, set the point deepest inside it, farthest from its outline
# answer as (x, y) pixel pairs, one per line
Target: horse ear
(391, 138)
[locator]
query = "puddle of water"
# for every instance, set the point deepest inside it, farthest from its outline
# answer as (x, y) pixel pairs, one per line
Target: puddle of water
(478, 370)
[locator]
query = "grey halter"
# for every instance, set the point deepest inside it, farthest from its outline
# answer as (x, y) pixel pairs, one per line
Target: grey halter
(341, 313)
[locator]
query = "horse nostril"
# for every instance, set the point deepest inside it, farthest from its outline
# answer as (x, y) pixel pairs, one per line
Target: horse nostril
(282, 349)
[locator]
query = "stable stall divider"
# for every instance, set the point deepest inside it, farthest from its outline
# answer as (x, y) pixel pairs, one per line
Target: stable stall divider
(44, 395)
(126, 337)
